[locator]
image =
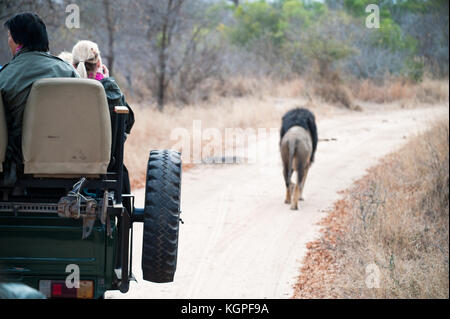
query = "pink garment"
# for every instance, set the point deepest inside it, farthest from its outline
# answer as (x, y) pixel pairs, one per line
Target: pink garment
(98, 76)
(19, 48)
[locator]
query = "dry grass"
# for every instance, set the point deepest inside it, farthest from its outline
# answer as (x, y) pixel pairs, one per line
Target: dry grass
(332, 89)
(214, 91)
(394, 91)
(395, 219)
(239, 87)
(432, 91)
(335, 93)
(428, 91)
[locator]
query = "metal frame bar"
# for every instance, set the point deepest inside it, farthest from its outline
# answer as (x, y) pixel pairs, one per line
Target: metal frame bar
(125, 248)
(119, 159)
(65, 183)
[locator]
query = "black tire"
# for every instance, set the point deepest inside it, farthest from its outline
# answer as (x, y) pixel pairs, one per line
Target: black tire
(161, 216)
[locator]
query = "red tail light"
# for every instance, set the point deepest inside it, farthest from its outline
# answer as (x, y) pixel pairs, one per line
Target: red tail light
(58, 289)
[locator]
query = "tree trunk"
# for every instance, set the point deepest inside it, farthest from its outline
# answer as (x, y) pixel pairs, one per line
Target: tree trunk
(110, 29)
(162, 59)
(162, 69)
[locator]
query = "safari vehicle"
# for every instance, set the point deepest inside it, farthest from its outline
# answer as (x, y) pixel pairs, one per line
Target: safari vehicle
(66, 214)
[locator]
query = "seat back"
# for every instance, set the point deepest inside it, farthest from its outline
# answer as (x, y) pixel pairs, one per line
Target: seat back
(66, 128)
(3, 134)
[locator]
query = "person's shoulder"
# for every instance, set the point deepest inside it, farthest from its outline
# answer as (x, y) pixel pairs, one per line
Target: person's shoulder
(5, 71)
(33, 56)
(3, 68)
(56, 59)
(66, 66)
(112, 89)
(59, 60)
(110, 82)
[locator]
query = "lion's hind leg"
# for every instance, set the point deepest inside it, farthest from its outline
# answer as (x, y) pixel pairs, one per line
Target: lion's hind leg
(287, 179)
(302, 184)
(295, 197)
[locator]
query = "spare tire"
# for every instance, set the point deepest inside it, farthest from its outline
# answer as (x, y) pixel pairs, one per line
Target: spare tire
(161, 216)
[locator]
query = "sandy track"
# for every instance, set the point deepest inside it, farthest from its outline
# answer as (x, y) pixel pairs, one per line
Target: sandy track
(239, 239)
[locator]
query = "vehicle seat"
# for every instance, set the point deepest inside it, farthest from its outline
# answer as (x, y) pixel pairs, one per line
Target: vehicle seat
(66, 128)
(3, 135)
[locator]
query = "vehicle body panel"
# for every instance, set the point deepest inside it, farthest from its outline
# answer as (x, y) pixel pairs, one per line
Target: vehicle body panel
(34, 248)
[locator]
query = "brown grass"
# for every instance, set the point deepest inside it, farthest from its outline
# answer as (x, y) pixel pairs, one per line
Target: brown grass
(367, 91)
(396, 219)
(335, 93)
(215, 90)
(432, 91)
(428, 91)
(238, 87)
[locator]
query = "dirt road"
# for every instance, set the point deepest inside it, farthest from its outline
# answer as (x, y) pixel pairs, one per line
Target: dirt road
(239, 239)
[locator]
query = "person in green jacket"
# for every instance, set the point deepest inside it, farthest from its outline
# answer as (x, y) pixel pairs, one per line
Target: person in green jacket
(28, 42)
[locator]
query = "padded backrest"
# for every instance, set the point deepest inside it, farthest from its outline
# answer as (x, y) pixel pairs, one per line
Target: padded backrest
(66, 128)
(3, 135)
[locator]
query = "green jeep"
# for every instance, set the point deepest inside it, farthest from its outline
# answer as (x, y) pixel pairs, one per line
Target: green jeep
(66, 227)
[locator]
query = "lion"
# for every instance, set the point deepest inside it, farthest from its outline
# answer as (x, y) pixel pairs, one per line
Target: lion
(298, 143)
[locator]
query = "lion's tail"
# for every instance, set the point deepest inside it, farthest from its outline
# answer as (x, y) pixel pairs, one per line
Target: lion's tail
(292, 148)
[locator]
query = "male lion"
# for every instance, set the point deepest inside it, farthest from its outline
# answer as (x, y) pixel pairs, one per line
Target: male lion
(298, 143)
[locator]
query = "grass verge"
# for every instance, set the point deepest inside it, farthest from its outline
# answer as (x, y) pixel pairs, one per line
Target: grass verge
(389, 236)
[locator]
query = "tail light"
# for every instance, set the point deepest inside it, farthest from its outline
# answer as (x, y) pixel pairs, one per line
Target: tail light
(58, 289)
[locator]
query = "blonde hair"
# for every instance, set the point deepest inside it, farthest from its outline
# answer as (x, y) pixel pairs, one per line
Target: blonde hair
(66, 56)
(85, 52)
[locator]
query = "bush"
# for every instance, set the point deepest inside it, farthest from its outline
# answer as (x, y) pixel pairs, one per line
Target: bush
(334, 93)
